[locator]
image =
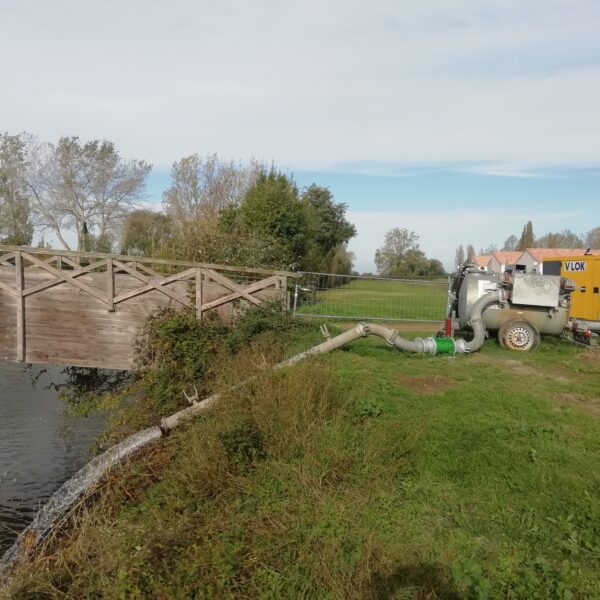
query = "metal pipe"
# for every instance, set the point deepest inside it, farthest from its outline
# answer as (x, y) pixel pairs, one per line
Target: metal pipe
(359, 330)
(476, 321)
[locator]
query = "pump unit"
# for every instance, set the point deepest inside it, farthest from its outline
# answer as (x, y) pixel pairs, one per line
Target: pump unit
(532, 305)
(584, 314)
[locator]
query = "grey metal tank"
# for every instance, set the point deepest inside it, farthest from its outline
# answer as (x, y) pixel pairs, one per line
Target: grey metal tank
(535, 305)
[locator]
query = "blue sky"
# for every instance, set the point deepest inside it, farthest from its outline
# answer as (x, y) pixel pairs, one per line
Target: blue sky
(451, 205)
(460, 120)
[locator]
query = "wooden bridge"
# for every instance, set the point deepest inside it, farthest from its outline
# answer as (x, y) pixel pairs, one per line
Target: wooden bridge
(84, 309)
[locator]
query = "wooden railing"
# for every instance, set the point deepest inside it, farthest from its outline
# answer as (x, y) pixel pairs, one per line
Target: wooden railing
(50, 287)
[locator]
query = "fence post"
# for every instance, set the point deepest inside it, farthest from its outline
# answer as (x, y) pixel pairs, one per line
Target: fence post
(199, 293)
(284, 290)
(19, 281)
(295, 299)
(110, 285)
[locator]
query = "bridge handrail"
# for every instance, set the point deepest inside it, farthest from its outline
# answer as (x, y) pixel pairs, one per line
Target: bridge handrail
(142, 259)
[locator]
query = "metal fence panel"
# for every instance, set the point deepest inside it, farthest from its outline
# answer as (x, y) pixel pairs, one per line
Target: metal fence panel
(383, 299)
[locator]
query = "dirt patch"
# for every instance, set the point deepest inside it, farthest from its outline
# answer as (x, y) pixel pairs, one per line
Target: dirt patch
(592, 356)
(521, 368)
(579, 401)
(427, 384)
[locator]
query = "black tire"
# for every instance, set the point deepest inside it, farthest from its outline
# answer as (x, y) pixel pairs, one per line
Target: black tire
(519, 335)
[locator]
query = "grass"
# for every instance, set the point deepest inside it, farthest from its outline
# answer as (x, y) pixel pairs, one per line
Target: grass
(365, 473)
(378, 299)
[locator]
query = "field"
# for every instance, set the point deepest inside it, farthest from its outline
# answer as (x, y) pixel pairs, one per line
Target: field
(365, 473)
(376, 299)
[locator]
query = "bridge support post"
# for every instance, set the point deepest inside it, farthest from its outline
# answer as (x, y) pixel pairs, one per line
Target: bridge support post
(110, 285)
(19, 285)
(284, 293)
(199, 293)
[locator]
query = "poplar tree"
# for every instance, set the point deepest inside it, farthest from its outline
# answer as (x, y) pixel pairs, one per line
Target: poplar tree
(527, 239)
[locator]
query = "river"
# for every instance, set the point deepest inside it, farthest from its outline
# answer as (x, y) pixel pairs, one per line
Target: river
(41, 444)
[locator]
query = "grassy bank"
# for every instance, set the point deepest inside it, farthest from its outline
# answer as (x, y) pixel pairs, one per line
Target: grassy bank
(362, 474)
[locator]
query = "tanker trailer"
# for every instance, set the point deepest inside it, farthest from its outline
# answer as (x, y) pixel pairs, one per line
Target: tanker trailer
(532, 305)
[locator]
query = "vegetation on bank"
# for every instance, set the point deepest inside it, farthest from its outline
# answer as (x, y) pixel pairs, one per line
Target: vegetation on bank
(365, 473)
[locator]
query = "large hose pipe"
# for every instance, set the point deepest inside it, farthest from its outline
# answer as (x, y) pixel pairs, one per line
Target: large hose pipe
(476, 321)
(429, 345)
(359, 330)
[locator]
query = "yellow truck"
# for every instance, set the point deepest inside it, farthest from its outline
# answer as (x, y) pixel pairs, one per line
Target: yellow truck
(584, 311)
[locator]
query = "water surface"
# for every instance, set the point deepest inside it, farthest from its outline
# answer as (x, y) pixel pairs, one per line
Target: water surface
(41, 444)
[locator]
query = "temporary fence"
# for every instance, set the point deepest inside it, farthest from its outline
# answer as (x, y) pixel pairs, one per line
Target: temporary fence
(358, 297)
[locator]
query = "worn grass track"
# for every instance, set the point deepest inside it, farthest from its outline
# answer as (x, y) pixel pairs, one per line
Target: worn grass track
(363, 474)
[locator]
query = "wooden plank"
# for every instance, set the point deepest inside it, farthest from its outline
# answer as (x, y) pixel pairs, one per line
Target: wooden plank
(258, 285)
(151, 285)
(199, 293)
(150, 261)
(146, 269)
(234, 287)
(110, 285)
(8, 289)
(40, 287)
(20, 307)
(64, 276)
(284, 288)
(6, 257)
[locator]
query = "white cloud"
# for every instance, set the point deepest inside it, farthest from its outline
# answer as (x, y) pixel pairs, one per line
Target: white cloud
(440, 232)
(310, 84)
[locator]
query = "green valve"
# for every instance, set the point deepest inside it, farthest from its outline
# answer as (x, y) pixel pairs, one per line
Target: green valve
(444, 345)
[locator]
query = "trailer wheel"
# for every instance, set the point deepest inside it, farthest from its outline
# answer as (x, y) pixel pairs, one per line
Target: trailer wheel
(519, 335)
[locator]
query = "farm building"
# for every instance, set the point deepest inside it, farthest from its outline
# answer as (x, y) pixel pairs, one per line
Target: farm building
(499, 260)
(481, 261)
(533, 258)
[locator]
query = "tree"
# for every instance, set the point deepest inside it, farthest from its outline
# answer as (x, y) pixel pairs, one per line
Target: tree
(592, 239)
(272, 212)
(390, 258)
(342, 261)
(470, 252)
(400, 256)
(489, 250)
(510, 243)
(564, 239)
(328, 231)
(435, 268)
(145, 233)
(459, 256)
(16, 227)
(527, 239)
(77, 186)
(201, 188)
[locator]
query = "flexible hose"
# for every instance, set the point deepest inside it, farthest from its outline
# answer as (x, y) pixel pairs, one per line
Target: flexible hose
(476, 321)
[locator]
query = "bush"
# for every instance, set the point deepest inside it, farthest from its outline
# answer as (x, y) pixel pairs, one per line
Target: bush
(175, 353)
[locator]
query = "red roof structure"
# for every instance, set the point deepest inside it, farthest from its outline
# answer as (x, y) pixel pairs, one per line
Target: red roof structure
(541, 253)
(481, 261)
(505, 257)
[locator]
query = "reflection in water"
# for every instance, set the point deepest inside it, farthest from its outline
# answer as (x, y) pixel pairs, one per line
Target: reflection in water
(41, 443)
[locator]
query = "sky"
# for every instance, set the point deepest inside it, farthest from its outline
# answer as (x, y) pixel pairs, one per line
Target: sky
(460, 120)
